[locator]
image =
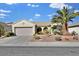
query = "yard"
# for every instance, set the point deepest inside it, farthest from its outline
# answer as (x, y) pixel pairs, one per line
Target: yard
(54, 38)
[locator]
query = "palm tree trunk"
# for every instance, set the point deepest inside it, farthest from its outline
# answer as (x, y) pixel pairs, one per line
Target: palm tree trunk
(66, 25)
(65, 29)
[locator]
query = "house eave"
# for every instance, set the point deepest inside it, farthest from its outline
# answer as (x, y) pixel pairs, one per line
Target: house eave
(73, 26)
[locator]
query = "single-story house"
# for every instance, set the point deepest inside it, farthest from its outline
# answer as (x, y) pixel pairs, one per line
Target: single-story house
(74, 27)
(25, 27)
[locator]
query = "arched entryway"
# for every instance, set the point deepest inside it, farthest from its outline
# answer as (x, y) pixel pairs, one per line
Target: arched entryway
(45, 30)
(41, 30)
(38, 30)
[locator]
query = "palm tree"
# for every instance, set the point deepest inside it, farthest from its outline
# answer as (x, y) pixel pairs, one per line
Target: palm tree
(64, 16)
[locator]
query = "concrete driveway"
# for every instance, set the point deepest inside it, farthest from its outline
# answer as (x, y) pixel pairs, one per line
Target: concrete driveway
(15, 40)
(26, 41)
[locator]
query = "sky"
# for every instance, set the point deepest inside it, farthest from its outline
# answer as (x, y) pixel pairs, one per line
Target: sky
(35, 12)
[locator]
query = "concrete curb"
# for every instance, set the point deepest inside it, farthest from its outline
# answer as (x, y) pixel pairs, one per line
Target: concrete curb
(44, 44)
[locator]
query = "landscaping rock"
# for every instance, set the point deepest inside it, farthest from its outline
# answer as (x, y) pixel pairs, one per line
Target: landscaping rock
(58, 38)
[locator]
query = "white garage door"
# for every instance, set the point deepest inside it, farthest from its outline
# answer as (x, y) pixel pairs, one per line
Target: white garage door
(24, 31)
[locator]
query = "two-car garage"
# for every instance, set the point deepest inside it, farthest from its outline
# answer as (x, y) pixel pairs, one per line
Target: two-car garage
(23, 28)
(24, 31)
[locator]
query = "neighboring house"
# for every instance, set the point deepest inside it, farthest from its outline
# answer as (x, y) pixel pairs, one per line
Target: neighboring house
(7, 28)
(25, 27)
(74, 27)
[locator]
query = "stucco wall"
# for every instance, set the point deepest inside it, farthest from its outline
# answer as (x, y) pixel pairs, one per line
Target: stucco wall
(76, 29)
(23, 23)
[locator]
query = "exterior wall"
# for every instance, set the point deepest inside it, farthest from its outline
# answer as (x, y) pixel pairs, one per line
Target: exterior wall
(76, 29)
(23, 23)
(42, 28)
(9, 28)
(34, 29)
(50, 30)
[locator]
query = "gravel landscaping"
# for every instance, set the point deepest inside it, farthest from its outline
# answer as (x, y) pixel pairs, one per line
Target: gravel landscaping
(53, 38)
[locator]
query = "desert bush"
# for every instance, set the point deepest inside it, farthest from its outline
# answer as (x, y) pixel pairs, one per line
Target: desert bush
(57, 32)
(46, 31)
(8, 34)
(40, 33)
(75, 38)
(74, 33)
(37, 37)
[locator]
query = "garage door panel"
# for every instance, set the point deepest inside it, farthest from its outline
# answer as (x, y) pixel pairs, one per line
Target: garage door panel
(24, 31)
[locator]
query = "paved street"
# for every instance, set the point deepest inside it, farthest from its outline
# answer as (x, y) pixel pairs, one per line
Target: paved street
(38, 51)
(28, 49)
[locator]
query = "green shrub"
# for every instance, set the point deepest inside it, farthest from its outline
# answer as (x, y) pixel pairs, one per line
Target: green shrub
(8, 34)
(74, 33)
(57, 32)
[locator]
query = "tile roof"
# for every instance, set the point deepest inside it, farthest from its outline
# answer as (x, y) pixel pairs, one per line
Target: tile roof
(37, 23)
(42, 23)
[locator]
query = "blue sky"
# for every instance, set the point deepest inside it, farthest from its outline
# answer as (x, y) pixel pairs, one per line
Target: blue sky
(37, 12)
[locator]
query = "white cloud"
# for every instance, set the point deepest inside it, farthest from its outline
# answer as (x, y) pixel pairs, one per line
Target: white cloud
(59, 5)
(31, 20)
(28, 4)
(32, 5)
(4, 11)
(37, 15)
(49, 15)
(3, 15)
(76, 10)
(35, 5)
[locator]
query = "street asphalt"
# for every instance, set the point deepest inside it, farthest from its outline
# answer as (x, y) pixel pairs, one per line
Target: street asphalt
(21, 46)
(39, 51)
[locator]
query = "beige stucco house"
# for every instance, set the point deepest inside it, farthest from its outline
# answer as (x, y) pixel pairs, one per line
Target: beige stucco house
(74, 27)
(25, 27)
